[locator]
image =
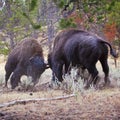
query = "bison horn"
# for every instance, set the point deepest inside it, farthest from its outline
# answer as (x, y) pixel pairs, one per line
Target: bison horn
(47, 66)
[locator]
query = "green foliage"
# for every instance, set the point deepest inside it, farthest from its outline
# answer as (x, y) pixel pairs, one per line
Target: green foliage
(67, 23)
(91, 19)
(96, 11)
(61, 3)
(110, 6)
(32, 5)
(114, 14)
(4, 51)
(116, 42)
(34, 25)
(17, 22)
(25, 13)
(3, 48)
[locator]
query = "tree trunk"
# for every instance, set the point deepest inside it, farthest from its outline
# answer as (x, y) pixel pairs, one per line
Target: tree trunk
(10, 31)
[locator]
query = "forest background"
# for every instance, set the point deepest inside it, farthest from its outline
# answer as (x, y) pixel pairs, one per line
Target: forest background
(41, 20)
(20, 19)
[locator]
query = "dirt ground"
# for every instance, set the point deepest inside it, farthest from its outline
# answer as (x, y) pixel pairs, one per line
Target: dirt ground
(86, 105)
(94, 105)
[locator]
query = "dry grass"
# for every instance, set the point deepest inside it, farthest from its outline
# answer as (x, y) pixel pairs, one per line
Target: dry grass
(87, 105)
(97, 105)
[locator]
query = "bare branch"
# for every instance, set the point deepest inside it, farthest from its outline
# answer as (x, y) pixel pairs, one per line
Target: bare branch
(15, 102)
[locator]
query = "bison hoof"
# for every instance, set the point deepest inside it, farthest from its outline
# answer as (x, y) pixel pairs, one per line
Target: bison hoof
(107, 81)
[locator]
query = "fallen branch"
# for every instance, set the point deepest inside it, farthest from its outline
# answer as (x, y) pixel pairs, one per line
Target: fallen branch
(8, 104)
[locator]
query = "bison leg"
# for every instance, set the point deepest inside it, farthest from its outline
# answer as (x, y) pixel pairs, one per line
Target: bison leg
(81, 73)
(7, 75)
(93, 76)
(15, 78)
(64, 70)
(57, 69)
(105, 68)
(54, 81)
(9, 69)
(53, 76)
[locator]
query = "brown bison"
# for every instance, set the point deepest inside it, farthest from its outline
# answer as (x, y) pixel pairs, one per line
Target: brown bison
(25, 59)
(80, 48)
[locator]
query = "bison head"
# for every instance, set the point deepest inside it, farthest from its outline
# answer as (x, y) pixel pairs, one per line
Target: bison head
(36, 67)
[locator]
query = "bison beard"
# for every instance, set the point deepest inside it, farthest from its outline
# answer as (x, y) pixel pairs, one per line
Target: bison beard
(80, 48)
(25, 59)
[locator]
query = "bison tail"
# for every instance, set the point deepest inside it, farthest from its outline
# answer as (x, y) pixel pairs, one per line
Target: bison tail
(112, 52)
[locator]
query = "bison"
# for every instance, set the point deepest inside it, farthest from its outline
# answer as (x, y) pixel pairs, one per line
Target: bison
(80, 48)
(25, 59)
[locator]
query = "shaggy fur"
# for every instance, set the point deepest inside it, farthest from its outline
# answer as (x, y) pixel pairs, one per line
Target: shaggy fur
(80, 48)
(25, 59)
